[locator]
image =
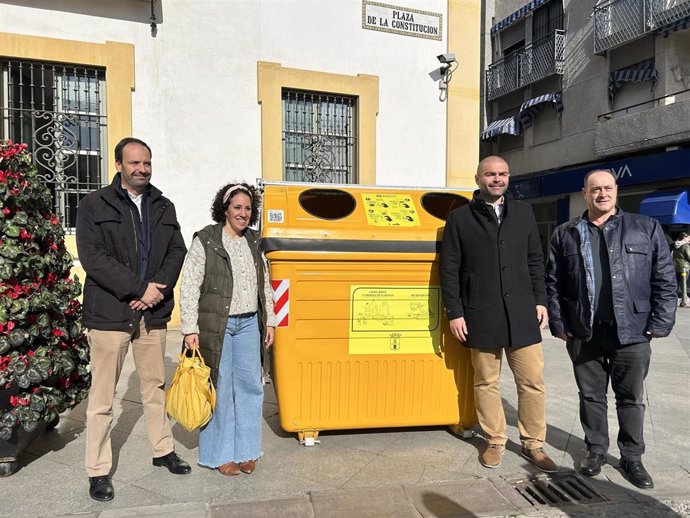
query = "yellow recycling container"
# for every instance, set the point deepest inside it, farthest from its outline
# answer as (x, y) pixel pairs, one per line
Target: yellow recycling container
(362, 338)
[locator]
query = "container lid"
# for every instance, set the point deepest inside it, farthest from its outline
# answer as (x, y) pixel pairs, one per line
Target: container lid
(356, 219)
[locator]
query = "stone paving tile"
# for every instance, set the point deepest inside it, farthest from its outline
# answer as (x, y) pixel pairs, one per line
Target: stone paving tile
(392, 471)
(56, 496)
(61, 444)
(503, 485)
(183, 510)
(374, 441)
(331, 465)
(467, 498)
(265, 483)
(294, 507)
(64, 490)
(200, 485)
(432, 447)
(388, 502)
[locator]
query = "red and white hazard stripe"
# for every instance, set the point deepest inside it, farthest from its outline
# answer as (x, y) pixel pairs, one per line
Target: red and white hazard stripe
(281, 301)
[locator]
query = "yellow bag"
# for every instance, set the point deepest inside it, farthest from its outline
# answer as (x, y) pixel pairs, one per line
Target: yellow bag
(191, 397)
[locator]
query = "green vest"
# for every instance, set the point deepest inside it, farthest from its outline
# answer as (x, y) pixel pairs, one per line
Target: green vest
(216, 293)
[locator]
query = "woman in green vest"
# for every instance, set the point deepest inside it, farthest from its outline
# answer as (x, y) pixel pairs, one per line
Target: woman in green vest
(227, 313)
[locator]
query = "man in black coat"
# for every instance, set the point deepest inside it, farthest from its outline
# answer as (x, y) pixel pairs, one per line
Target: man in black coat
(130, 246)
(612, 288)
(492, 278)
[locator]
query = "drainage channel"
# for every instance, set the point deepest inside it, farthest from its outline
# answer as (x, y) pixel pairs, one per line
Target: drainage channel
(556, 490)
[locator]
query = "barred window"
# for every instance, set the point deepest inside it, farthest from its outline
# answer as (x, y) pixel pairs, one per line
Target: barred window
(319, 137)
(547, 19)
(59, 112)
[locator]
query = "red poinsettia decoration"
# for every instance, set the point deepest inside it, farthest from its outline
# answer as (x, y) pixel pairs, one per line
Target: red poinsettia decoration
(44, 360)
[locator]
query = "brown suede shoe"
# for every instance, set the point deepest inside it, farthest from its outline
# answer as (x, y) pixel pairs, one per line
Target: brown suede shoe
(491, 456)
(248, 466)
(540, 459)
(229, 469)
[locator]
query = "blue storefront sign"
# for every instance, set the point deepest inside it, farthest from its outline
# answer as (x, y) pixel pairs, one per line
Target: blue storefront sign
(657, 167)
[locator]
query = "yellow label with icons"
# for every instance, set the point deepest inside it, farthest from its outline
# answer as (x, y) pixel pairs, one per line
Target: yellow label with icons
(394, 319)
(390, 210)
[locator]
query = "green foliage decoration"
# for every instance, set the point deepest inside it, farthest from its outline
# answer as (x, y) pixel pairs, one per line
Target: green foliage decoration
(44, 355)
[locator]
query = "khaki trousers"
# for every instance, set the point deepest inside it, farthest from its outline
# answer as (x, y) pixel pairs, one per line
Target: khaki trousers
(527, 365)
(108, 351)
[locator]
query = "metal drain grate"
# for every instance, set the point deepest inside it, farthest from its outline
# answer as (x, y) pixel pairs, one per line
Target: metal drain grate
(556, 490)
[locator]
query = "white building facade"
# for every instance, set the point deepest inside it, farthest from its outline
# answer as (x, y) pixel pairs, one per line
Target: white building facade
(343, 91)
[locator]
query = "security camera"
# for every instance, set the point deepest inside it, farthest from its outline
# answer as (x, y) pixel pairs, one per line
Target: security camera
(446, 59)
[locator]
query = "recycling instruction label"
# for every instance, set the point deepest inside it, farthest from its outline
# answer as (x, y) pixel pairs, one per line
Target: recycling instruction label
(390, 210)
(394, 319)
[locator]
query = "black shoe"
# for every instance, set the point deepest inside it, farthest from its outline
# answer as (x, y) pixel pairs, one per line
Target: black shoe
(636, 474)
(101, 489)
(592, 463)
(173, 462)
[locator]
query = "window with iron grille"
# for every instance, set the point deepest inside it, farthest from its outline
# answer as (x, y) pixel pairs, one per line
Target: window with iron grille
(59, 112)
(319, 137)
(547, 19)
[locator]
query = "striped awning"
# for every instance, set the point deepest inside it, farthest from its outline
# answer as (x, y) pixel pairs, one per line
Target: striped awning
(678, 25)
(510, 126)
(517, 15)
(531, 107)
(643, 71)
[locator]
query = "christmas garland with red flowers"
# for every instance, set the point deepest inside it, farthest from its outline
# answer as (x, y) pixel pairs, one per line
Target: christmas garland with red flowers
(44, 355)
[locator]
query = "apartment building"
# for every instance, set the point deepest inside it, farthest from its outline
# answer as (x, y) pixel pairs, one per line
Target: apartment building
(570, 85)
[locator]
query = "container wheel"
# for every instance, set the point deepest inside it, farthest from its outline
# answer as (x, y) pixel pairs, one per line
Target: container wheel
(308, 437)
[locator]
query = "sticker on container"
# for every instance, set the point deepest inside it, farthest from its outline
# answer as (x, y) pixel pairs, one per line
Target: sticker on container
(281, 301)
(394, 319)
(276, 216)
(390, 210)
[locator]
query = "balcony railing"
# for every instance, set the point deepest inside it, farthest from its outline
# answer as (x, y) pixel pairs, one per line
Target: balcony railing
(617, 22)
(539, 59)
(667, 12)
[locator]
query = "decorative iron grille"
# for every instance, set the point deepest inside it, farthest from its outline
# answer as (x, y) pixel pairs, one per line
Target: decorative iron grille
(667, 12)
(536, 61)
(59, 112)
(319, 137)
(503, 77)
(542, 58)
(619, 21)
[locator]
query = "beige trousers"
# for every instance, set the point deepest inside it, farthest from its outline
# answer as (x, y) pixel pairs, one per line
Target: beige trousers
(108, 351)
(527, 365)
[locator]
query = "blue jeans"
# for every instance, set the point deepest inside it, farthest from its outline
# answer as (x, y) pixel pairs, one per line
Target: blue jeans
(234, 432)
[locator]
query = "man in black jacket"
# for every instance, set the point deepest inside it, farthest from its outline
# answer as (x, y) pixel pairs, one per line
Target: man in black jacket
(130, 246)
(611, 287)
(492, 278)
